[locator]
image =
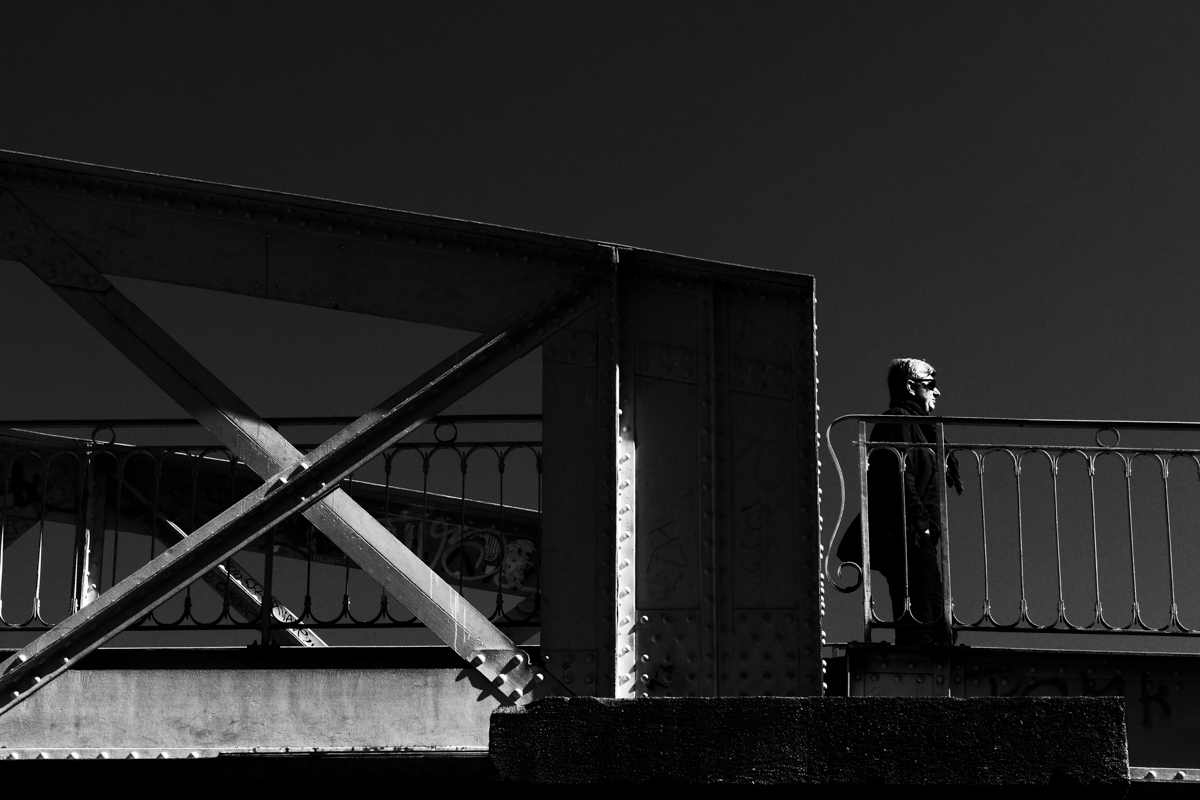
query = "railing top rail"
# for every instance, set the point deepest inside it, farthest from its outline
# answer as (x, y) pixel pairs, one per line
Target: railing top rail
(1013, 422)
(187, 422)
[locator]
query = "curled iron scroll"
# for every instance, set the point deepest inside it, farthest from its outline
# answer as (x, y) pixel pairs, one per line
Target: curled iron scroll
(437, 432)
(1116, 433)
(112, 435)
(832, 578)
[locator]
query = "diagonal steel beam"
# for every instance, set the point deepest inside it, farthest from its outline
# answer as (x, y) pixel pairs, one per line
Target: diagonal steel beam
(295, 490)
(347, 524)
(241, 584)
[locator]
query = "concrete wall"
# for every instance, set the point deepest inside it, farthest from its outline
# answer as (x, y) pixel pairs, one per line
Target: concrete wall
(1037, 741)
(306, 701)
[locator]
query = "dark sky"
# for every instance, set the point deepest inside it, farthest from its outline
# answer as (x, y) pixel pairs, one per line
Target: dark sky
(1010, 190)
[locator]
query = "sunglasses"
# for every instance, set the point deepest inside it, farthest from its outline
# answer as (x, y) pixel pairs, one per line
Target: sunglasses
(928, 383)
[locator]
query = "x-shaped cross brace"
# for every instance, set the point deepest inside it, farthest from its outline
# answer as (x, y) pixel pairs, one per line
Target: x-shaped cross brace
(294, 482)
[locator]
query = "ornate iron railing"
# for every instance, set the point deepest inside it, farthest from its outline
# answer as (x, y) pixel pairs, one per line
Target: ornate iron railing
(79, 514)
(1063, 526)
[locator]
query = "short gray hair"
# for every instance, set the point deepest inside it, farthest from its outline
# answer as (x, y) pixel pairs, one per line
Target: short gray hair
(902, 370)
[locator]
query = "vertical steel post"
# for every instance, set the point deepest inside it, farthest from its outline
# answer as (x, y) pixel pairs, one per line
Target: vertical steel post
(89, 533)
(706, 448)
(907, 610)
(625, 534)
(947, 595)
(724, 648)
(609, 477)
(863, 466)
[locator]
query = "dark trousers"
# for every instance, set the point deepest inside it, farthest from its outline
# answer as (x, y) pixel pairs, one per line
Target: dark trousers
(923, 624)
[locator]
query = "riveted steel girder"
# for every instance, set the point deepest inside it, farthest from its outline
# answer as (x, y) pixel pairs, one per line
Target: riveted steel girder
(296, 249)
(295, 483)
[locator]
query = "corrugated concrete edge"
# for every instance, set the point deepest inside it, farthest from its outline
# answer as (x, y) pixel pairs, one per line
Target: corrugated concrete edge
(985, 742)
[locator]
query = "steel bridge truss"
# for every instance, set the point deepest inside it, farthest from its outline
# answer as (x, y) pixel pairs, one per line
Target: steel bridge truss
(294, 483)
(679, 531)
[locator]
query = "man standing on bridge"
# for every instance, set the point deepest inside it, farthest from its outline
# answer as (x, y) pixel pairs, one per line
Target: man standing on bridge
(905, 505)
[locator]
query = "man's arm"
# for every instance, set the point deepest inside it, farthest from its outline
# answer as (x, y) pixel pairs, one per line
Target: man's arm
(918, 517)
(918, 459)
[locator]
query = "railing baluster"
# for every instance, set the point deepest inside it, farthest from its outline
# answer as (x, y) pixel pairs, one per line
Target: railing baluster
(41, 544)
(537, 593)
(902, 459)
(500, 529)
(346, 612)
(1062, 605)
(462, 519)
(266, 609)
(1136, 613)
(1164, 464)
(157, 476)
(1095, 540)
(387, 516)
(944, 494)
(1023, 611)
(863, 466)
(5, 493)
(987, 586)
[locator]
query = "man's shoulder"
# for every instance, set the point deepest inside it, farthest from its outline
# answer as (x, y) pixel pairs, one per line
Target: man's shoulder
(899, 411)
(893, 431)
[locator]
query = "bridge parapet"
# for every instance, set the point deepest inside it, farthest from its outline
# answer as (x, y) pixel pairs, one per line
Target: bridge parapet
(1160, 691)
(1062, 527)
(467, 506)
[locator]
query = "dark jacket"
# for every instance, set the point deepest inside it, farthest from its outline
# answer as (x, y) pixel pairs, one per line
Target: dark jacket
(901, 507)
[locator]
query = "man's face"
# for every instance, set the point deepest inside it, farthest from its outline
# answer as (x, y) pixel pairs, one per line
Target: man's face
(924, 388)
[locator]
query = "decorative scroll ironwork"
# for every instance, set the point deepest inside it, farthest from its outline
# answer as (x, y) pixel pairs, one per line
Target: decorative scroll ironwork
(469, 509)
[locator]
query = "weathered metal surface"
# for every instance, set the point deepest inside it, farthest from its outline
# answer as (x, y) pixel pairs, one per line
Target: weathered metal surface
(1170, 775)
(697, 405)
(1161, 692)
(571, 347)
(580, 495)
(704, 663)
(669, 573)
(766, 653)
(671, 658)
(669, 363)
(607, 542)
(571, 503)
(571, 673)
(623, 546)
(724, 385)
(296, 249)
